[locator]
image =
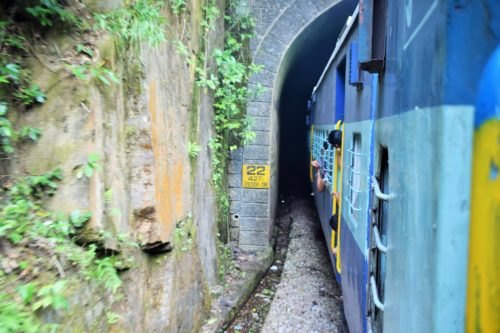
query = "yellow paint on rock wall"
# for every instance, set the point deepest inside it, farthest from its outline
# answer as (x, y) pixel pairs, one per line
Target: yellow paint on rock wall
(483, 293)
(162, 179)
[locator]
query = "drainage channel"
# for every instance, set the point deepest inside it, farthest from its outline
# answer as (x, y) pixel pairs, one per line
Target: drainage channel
(298, 293)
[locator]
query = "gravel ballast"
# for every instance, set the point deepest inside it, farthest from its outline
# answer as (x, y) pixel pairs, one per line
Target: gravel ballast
(308, 299)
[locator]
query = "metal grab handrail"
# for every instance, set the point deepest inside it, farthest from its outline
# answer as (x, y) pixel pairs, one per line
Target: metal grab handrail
(378, 241)
(376, 299)
(378, 192)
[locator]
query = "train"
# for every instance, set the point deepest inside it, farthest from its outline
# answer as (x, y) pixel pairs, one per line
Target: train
(410, 201)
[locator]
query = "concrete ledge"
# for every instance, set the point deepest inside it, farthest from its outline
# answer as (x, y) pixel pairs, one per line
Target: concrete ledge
(234, 297)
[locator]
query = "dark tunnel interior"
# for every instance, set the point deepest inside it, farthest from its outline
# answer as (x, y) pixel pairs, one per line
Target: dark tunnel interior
(308, 55)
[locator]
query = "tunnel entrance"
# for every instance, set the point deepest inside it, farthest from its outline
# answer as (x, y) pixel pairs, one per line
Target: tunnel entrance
(302, 66)
(293, 46)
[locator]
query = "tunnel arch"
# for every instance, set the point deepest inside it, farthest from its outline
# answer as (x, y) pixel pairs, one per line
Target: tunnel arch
(284, 30)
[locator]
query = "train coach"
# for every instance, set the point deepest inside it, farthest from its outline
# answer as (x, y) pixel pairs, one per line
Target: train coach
(410, 208)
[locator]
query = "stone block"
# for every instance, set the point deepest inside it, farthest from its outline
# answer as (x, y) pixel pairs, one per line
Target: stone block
(269, 61)
(234, 234)
(234, 221)
(264, 94)
(235, 194)
(254, 224)
(282, 31)
(264, 78)
(236, 155)
(254, 210)
(253, 248)
(308, 9)
(261, 109)
(234, 180)
(261, 138)
(253, 152)
(260, 28)
(235, 166)
(263, 162)
(294, 18)
(263, 3)
(270, 15)
(273, 46)
(261, 123)
(234, 207)
(282, 3)
(254, 238)
(253, 195)
(323, 5)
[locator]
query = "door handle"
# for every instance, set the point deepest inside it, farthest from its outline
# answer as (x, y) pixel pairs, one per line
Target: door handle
(378, 192)
(376, 299)
(378, 241)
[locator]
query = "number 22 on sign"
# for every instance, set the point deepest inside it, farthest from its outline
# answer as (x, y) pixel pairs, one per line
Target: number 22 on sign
(255, 176)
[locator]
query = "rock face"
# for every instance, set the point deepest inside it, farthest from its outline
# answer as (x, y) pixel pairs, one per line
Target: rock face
(146, 189)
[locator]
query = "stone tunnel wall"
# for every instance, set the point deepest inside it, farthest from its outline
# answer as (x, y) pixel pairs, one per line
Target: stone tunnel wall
(278, 24)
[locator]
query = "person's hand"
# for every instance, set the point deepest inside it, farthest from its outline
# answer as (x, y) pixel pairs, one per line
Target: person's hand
(337, 196)
(315, 164)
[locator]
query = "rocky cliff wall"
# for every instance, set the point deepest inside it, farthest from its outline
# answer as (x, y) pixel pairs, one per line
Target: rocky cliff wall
(148, 187)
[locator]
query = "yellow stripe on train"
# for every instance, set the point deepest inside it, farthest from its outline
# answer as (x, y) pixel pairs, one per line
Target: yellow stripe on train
(483, 293)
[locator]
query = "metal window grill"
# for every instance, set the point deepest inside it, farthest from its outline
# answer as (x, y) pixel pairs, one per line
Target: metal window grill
(325, 157)
(352, 182)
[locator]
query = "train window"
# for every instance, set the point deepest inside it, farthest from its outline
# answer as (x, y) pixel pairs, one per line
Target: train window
(355, 176)
(323, 153)
(340, 90)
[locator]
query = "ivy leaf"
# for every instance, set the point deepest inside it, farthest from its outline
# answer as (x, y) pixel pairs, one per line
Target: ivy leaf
(3, 109)
(26, 291)
(12, 70)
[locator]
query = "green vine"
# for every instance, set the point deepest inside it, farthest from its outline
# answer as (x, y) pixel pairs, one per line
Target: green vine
(229, 84)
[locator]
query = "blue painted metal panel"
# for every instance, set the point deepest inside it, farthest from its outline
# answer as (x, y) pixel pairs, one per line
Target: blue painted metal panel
(353, 280)
(476, 23)
(339, 96)
(488, 101)
(354, 73)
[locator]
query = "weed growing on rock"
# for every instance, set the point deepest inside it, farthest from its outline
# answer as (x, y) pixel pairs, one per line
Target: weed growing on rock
(141, 22)
(38, 245)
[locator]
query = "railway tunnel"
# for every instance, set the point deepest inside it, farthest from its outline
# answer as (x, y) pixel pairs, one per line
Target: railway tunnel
(304, 62)
(293, 44)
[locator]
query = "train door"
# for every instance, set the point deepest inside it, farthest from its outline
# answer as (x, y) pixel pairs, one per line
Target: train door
(378, 249)
(337, 179)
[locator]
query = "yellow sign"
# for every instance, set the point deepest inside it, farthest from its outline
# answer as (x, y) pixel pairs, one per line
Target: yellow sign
(255, 176)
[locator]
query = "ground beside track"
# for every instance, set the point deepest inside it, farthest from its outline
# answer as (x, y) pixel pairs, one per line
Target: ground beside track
(299, 292)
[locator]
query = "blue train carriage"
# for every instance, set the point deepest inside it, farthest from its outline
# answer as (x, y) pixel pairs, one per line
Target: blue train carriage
(322, 120)
(407, 88)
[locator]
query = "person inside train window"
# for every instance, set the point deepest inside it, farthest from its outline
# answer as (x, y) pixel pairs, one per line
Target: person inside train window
(319, 166)
(334, 139)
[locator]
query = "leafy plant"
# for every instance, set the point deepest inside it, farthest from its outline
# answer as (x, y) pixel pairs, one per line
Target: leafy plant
(86, 72)
(80, 48)
(193, 149)
(177, 6)
(30, 133)
(30, 95)
(88, 168)
(140, 22)
(10, 71)
(47, 11)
